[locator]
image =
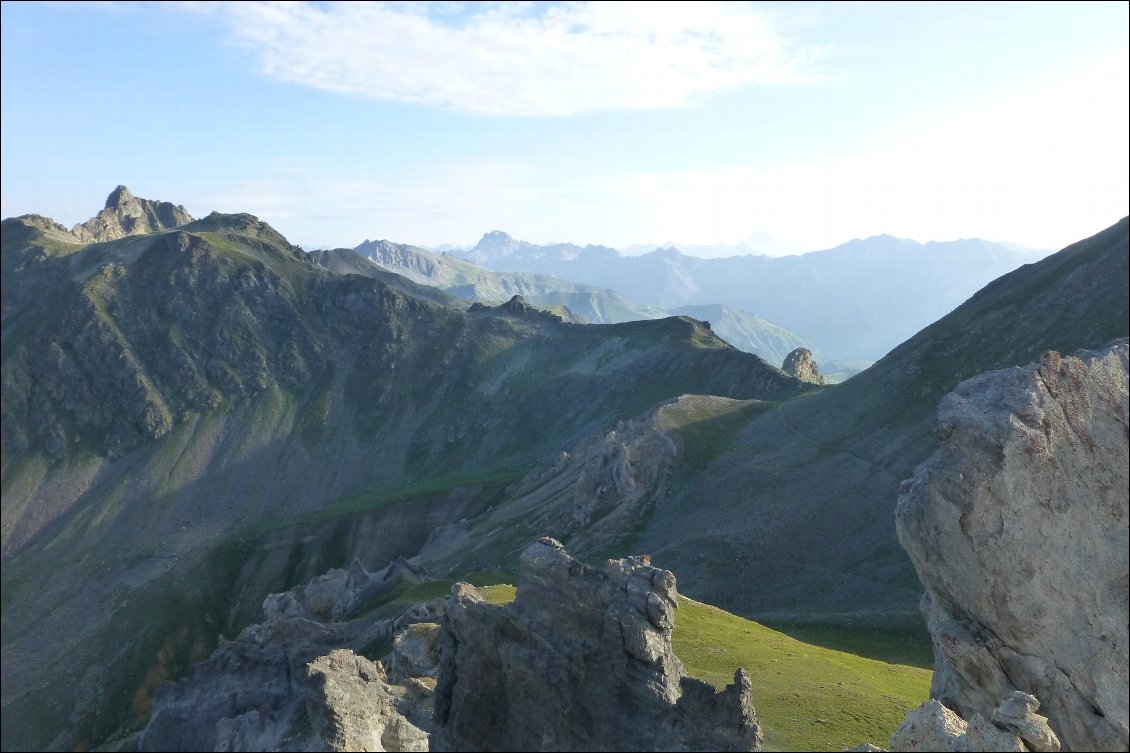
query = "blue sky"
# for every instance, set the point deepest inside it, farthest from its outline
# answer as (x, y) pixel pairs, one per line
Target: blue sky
(809, 124)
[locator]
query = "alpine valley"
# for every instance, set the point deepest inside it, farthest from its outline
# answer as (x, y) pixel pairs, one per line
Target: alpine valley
(198, 414)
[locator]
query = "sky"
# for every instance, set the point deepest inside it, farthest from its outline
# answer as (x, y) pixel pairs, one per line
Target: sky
(782, 126)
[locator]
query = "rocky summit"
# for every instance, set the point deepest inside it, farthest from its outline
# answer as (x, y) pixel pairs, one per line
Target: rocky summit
(1018, 528)
(125, 214)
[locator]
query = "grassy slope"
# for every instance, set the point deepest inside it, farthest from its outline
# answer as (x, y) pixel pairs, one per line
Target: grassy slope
(807, 697)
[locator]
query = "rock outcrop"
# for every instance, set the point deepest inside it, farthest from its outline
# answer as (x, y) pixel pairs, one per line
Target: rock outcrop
(125, 214)
(294, 683)
(332, 596)
(801, 365)
(351, 706)
(581, 660)
(1018, 528)
(1015, 726)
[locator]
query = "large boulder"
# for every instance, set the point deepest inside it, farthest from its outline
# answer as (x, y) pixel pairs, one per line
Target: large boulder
(581, 660)
(800, 364)
(1018, 529)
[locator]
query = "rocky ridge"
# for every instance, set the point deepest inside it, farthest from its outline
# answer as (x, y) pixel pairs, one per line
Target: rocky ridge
(1018, 529)
(588, 495)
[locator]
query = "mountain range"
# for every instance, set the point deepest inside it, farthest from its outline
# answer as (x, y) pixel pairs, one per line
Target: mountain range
(840, 300)
(197, 413)
(465, 279)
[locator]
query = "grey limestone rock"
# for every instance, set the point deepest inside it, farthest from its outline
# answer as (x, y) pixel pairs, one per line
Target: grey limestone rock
(415, 652)
(581, 660)
(1018, 528)
(351, 706)
(293, 683)
(934, 727)
(801, 365)
(931, 726)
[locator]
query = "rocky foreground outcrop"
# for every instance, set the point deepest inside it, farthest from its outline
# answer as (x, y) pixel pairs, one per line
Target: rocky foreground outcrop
(1018, 529)
(800, 364)
(580, 660)
(299, 681)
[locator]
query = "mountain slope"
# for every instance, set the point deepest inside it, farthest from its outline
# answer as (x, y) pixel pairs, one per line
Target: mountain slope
(801, 503)
(343, 261)
(195, 417)
(841, 300)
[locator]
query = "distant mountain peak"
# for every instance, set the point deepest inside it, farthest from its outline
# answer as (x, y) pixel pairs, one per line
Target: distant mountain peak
(495, 236)
(125, 214)
(496, 241)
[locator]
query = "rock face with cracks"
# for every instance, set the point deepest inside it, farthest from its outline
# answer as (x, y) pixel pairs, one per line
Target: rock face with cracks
(581, 660)
(1018, 529)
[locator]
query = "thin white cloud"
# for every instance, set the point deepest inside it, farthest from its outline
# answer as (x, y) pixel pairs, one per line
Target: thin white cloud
(1044, 166)
(520, 59)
